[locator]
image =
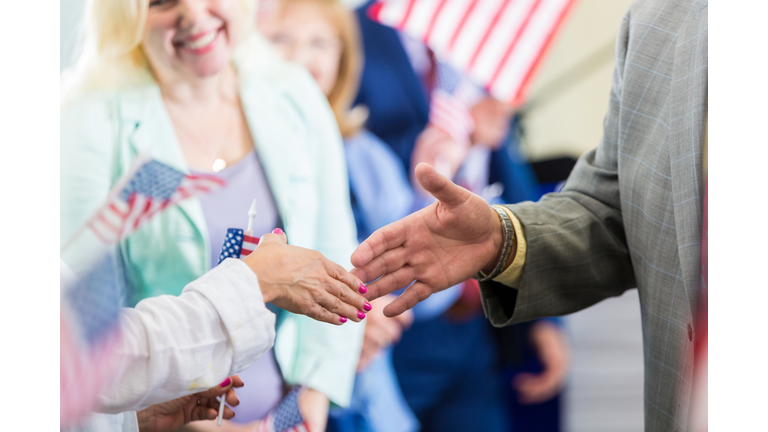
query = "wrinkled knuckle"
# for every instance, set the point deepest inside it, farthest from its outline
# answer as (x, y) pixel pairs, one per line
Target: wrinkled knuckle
(336, 304)
(308, 305)
(325, 315)
(317, 312)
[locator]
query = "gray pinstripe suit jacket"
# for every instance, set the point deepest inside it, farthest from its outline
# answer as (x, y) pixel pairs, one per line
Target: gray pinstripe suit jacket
(630, 214)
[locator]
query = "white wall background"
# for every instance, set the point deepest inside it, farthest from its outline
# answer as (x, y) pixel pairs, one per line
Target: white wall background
(71, 12)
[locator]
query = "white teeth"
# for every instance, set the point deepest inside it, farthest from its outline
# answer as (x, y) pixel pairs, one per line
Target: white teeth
(201, 42)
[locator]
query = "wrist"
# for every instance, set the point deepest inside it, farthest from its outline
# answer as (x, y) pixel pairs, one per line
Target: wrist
(257, 265)
(505, 254)
(497, 242)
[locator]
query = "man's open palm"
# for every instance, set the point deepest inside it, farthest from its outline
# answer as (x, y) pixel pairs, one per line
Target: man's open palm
(438, 246)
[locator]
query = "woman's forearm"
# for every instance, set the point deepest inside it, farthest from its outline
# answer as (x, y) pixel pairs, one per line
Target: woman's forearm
(174, 346)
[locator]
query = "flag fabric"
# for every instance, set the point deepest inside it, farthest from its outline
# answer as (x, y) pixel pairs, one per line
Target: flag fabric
(496, 43)
(237, 244)
(148, 188)
(286, 417)
(89, 327)
(91, 298)
(450, 101)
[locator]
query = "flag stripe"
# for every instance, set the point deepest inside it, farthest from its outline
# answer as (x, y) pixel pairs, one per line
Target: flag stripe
(515, 41)
(492, 56)
(106, 223)
(487, 34)
(433, 21)
(445, 26)
(472, 33)
(105, 237)
(530, 45)
(407, 14)
(496, 43)
(462, 23)
(118, 211)
(558, 25)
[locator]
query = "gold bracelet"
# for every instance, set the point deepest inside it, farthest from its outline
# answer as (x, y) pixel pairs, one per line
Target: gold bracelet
(508, 233)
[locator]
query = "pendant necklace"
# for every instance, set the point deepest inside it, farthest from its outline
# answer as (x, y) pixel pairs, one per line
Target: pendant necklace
(218, 163)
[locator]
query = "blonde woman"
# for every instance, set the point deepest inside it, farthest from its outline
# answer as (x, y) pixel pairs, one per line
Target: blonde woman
(189, 81)
(322, 36)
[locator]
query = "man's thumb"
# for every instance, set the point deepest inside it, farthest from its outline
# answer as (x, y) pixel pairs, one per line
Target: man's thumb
(439, 186)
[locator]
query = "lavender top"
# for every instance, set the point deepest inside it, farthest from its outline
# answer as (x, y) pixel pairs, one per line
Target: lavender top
(228, 208)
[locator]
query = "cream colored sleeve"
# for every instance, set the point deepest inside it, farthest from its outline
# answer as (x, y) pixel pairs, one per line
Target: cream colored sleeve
(512, 275)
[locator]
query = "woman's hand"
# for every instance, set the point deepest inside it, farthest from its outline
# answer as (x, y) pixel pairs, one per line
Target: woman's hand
(303, 281)
(171, 415)
(381, 331)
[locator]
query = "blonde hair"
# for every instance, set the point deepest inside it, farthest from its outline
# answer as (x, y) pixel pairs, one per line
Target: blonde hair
(342, 95)
(111, 56)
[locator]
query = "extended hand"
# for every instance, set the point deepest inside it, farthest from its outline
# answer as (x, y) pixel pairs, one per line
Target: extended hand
(305, 282)
(438, 246)
(171, 415)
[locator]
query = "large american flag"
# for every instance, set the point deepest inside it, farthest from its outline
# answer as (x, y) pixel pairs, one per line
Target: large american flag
(148, 188)
(286, 417)
(497, 43)
(237, 245)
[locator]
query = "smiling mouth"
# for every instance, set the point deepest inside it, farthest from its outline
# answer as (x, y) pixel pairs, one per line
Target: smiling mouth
(201, 42)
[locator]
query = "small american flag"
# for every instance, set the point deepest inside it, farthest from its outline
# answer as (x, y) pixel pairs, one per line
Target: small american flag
(497, 43)
(286, 417)
(450, 101)
(90, 334)
(237, 245)
(148, 188)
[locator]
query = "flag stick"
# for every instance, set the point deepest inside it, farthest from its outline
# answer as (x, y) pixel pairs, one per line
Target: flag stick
(221, 409)
(251, 217)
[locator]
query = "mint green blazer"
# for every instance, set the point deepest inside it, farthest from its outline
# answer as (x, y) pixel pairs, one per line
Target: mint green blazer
(298, 142)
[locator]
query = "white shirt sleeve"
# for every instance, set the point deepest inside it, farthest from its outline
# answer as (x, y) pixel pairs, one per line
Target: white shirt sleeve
(174, 346)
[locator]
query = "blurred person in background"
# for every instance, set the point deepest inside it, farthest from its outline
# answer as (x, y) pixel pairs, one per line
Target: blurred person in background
(191, 81)
(322, 36)
(448, 362)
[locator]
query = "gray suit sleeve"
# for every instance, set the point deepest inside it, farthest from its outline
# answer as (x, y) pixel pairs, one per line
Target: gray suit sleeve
(577, 251)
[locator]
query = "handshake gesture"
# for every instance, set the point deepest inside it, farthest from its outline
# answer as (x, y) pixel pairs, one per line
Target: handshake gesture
(439, 246)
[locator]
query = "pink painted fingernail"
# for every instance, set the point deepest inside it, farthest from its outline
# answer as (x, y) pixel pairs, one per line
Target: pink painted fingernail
(363, 289)
(367, 306)
(225, 382)
(342, 319)
(360, 315)
(277, 231)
